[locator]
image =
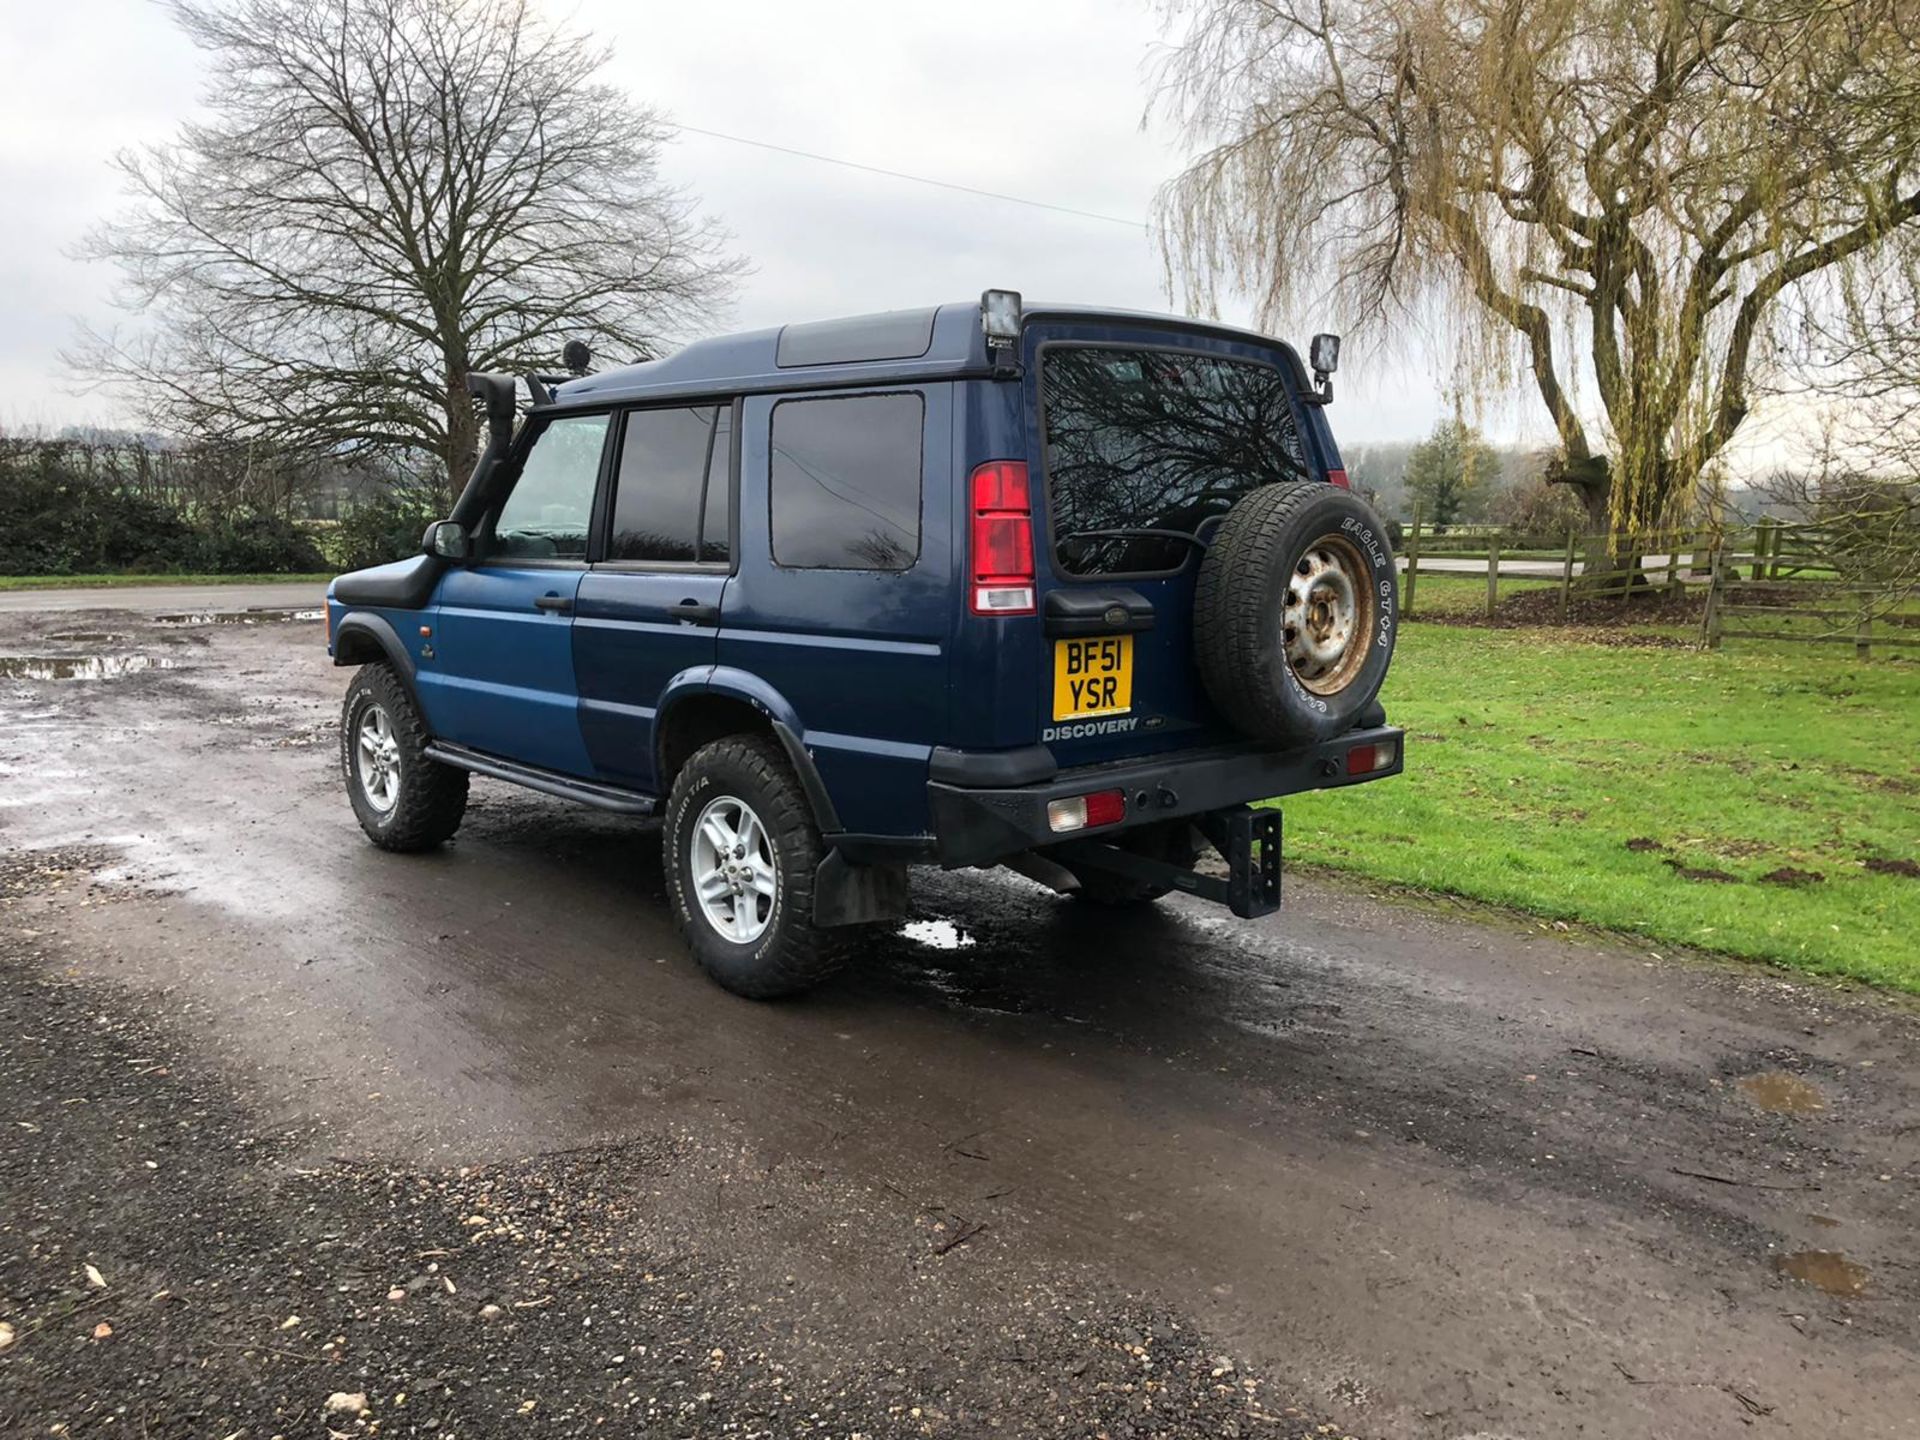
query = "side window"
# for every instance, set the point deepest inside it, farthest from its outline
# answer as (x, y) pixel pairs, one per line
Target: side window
(844, 489)
(670, 499)
(547, 515)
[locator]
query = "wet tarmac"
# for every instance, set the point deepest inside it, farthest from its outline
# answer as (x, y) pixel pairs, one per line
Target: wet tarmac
(1437, 1175)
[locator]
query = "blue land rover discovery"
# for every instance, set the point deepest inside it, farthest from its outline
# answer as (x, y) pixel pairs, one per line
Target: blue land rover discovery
(1047, 587)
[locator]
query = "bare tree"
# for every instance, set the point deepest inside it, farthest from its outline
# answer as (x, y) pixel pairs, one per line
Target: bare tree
(387, 196)
(1582, 189)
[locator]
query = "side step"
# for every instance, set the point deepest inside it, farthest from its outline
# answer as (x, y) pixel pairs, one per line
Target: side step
(547, 782)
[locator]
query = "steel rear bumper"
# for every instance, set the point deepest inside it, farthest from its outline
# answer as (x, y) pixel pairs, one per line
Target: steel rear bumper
(975, 825)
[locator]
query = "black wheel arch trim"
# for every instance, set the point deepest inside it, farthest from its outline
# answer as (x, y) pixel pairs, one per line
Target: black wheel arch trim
(824, 815)
(380, 631)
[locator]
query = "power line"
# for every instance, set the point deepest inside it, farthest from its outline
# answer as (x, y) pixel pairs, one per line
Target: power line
(903, 175)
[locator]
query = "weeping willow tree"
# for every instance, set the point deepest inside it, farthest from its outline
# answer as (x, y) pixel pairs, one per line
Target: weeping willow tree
(1609, 199)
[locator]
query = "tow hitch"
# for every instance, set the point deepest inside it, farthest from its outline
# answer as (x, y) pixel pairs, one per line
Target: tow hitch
(1247, 839)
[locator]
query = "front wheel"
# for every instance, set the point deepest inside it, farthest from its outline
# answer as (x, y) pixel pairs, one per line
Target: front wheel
(741, 854)
(403, 800)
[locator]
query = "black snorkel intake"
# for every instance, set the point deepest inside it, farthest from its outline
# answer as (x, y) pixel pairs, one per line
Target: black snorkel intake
(496, 392)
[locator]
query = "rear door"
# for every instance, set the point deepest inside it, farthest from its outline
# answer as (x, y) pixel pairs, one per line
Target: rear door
(649, 608)
(843, 604)
(1145, 441)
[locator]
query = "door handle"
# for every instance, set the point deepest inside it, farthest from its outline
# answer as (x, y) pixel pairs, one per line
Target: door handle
(695, 612)
(555, 603)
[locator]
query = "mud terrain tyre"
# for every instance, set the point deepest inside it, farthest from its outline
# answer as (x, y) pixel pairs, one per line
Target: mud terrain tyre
(1295, 612)
(741, 853)
(403, 800)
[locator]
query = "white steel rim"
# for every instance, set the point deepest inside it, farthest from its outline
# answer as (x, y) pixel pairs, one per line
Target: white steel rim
(1327, 615)
(377, 758)
(735, 875)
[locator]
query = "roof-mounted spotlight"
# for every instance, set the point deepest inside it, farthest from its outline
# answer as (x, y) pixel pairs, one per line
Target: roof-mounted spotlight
(1324, 356)
(1000, 315)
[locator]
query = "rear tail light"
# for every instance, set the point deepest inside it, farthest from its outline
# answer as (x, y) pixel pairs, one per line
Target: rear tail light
(1002, 532)
(1365, 759)
(1338, 477)
(1087, 812)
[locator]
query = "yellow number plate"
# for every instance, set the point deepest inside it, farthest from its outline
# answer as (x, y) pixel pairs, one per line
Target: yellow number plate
(1092, 677)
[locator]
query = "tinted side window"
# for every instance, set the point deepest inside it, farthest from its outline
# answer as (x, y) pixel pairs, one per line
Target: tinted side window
(670, 463)
(845, 485)
(547, 514)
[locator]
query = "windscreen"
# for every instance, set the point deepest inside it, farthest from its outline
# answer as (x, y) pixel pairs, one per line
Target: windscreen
(1143, 440)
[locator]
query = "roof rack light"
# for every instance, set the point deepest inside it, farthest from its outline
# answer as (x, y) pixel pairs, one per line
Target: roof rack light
(1000, 315)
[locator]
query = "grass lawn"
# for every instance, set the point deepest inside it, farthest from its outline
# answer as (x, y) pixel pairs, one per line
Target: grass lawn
(1439, 593)
(1534, 759)
(94, 582)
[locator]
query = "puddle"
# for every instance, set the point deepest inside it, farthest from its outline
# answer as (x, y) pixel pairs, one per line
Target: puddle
(1826, 1270)
(936, 934)
(90, 637)
(1779, 1093)
(180, 618)
(78, 667)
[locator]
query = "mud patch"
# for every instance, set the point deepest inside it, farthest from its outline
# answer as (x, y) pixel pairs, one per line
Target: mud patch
(78, 667)
(1787, 875)
(1779, 1093)
(1641, 845)
(1826, 1270)
(1906, 868)
(1695, 872)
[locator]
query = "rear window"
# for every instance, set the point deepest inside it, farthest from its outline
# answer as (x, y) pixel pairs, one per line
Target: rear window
(1155, 440)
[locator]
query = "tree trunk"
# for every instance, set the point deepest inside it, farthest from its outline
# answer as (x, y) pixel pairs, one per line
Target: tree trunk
(463, 434)
(1600, 565)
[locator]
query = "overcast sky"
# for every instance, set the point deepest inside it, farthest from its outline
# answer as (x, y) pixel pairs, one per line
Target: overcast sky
(1036, 98)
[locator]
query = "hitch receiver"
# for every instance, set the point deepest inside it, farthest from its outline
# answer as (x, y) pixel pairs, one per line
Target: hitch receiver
(1249, 841)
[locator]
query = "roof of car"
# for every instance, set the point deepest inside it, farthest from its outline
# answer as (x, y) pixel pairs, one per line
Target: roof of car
(944, 341)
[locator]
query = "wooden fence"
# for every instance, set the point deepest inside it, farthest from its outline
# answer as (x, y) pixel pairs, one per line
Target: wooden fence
(1762, 583)
(1777, 603)
(1668, 560)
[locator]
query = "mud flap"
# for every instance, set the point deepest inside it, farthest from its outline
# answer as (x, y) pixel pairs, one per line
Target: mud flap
(846, 893)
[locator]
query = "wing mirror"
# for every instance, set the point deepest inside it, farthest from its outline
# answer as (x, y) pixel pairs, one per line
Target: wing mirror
(448, 539)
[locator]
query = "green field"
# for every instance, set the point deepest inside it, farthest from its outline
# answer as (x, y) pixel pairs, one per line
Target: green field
(99, 582)
(1534, 759)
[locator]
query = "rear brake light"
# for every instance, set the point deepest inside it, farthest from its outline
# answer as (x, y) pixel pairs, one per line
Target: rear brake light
(1002, 572)
(1365, 759)
(1085, 812)
(1338, 477)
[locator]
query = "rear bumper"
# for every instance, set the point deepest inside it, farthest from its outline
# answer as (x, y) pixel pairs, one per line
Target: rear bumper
(975, 825)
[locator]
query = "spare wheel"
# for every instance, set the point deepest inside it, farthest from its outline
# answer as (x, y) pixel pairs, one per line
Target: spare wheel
(1295, 612)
